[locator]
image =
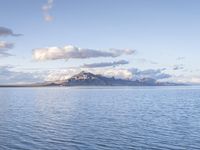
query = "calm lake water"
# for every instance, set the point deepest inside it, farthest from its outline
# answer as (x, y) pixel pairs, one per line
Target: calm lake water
(100, 118)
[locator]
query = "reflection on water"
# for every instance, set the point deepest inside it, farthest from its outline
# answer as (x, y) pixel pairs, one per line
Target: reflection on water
(100, 118)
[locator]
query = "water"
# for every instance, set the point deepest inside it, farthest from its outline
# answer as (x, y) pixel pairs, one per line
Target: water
(100, 118)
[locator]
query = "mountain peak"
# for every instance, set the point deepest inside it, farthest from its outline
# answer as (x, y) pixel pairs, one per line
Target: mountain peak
(83, 72)
(83, 75)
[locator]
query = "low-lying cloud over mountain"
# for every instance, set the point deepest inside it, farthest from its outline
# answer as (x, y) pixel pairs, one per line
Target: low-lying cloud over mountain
(105, 64)
(189, 79)
(156, 74)
(9, 75)
(70, 52)
(131, 74)
(67, 73)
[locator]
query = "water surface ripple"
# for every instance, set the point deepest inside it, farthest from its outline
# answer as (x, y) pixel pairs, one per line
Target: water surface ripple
(100, 118)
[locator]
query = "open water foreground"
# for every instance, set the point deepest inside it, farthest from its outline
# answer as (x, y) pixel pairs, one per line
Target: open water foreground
(100, 118)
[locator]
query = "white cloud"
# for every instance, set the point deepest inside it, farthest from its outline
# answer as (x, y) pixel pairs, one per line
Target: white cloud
(46, 8)
(69, 52)
(156, 74)
(114, 72)
(187, 79)
(61, 75)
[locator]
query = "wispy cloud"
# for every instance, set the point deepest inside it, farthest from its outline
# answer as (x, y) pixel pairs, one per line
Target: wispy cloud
(178, 67)
(46, 8)
(4, 53)
(180, 58)
(105, 64)
(7, 32)
(142, 60)
(70, 52)
(4, 47)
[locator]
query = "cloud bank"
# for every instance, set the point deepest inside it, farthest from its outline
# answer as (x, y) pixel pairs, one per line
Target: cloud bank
(72, 52)
(105, 64)
(46, 8)
(188, 79)
(8, 76)
(156, 74)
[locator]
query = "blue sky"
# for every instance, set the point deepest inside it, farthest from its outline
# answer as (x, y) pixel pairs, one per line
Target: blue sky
(164, 34)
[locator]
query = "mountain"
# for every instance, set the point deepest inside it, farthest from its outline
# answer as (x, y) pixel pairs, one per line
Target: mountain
(89, 79)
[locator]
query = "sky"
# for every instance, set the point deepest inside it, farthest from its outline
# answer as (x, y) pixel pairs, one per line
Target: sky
(47, 40)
